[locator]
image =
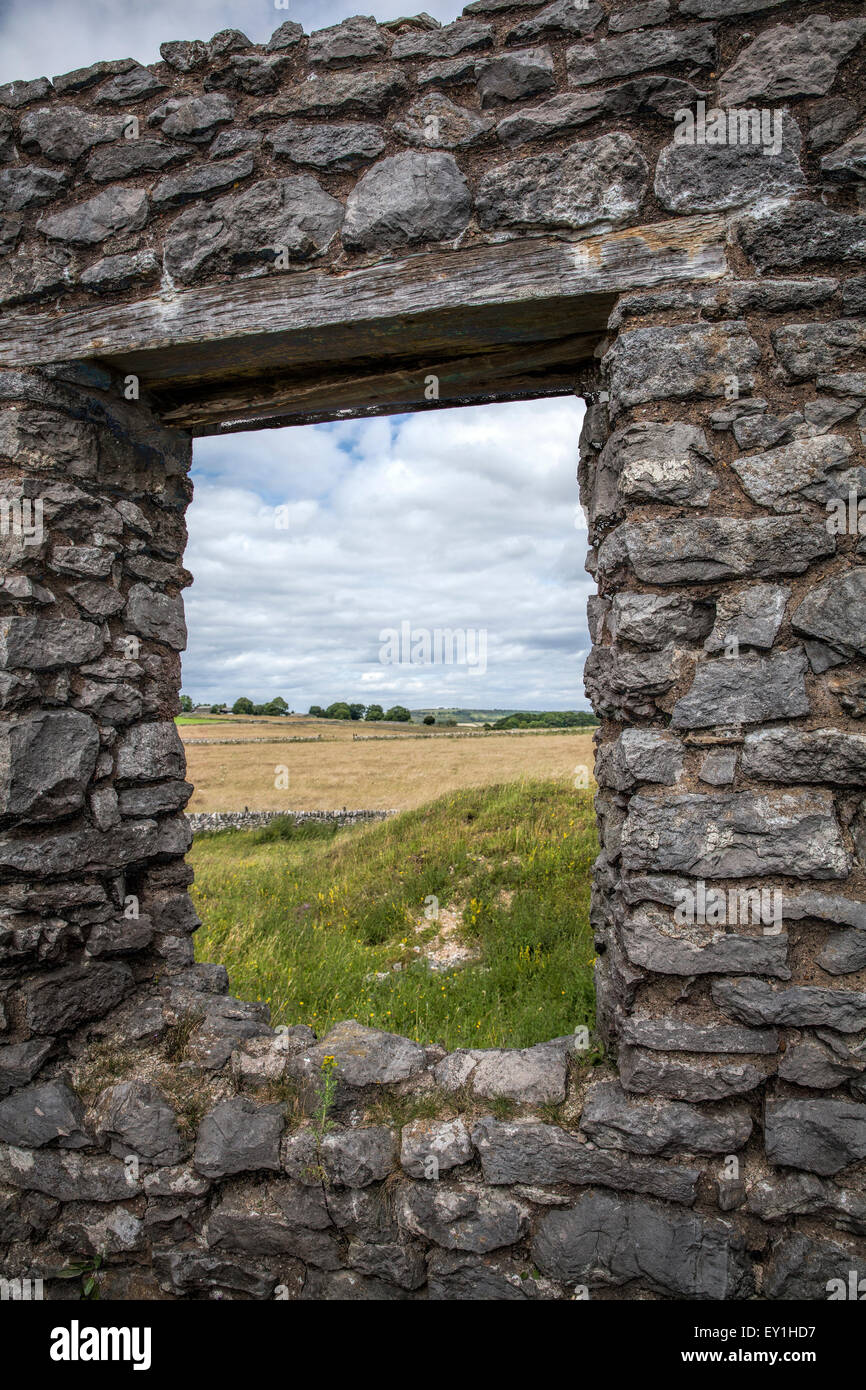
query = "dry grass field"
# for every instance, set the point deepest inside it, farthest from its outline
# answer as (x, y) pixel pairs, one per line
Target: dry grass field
(395, 770)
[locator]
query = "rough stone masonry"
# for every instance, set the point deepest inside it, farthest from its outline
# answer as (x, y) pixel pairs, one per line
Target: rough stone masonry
(147, 1116)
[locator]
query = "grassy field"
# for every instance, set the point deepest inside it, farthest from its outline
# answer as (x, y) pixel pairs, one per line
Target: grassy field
(373, 922)
(387, 767)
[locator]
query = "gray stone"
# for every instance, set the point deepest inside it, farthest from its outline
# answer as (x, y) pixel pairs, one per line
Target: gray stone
(447, 42)
(19, 1063)
(652, 462)
(736, 835)
(530, 1075)
(848, 162)
(749, 617)
(46, 762)
(150, 753)
(798, 470)
(136, 84)
(328, 146)
(184, 55)
(17, 94)
(655, 942)
(719, 767)
(405, 199)
(469, 1217)
(704, 549)
(525, 1151)
(797, 755)
(802, 1006)
(228, 41)
(672, 1035)
(69, 1177)
(154, 800)
(592, 184)
(693, 359)
(844, 952)
(64, 133)
(438, 124)
(364, 1056)
(821, 1136)
(353, 41)
(654, 1074)
(190, 1271)
(618, 1121)
(641, 16)
(134, 1117)
(111, 274)
(366, 93)
(431, 1147)
(694, 178)
(291, 216)
(639, 755)
(802, 1268)
(558, 115)
(286, 36)
(395, 1262)
(512, 76)
(238, 1136)
(63, 999)
(789, 237)
(773, 296)
(122, 937)
(652, 620)
(192, 118)
(790, 60)
(451, 72)
(629, 682)
(357, 1157)
(176, 189)
(745, 690)
(42, 644)
(562, 18)
(803, 1194)
(820, 1065)
(617, 57)
(30, 186)
(605, 1240)
(155, 615)
(113, 211)
(230, 142)
(247, 72)
(42, 1115)
(832, 613)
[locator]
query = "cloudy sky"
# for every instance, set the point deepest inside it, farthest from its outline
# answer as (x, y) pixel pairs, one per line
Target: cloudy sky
(307, 545)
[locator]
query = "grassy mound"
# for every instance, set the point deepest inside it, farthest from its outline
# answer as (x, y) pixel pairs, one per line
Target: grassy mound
(327, 926)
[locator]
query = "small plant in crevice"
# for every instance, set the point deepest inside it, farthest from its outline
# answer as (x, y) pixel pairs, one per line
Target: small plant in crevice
(87, 1271)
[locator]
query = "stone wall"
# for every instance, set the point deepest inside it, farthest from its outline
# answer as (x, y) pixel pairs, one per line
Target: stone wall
(719, 1150)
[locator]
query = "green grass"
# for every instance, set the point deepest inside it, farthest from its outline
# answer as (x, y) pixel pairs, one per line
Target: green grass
(304, 917)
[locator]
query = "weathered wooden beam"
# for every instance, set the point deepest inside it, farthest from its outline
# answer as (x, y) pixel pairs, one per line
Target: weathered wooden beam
(272, 320)
(502, 373)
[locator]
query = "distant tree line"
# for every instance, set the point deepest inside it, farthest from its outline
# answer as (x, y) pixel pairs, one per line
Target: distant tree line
(372, 713)
(546, 719)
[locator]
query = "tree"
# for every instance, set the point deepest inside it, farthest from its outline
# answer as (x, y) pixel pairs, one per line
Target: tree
(399, 714)
(279, 705)
(374, 712)
(243, 706)
(317, 712)
(217, 709)
(340, 710)
(429, 719)
(357, 711)
(185, 704)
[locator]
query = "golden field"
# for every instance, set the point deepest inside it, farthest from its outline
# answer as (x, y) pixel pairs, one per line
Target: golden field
(395, 770)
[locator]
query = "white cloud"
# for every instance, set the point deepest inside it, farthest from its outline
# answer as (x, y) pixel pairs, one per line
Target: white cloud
(452, 519)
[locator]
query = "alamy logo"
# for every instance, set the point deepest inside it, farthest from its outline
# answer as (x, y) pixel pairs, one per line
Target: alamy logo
(77, 1343)
(747, 126)
(737, 907)
(21, 1290)
(22, 518)
(441, 646)
(854, 1288)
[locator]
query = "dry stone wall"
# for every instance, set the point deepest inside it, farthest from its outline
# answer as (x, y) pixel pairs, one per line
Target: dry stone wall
(147, 1116)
